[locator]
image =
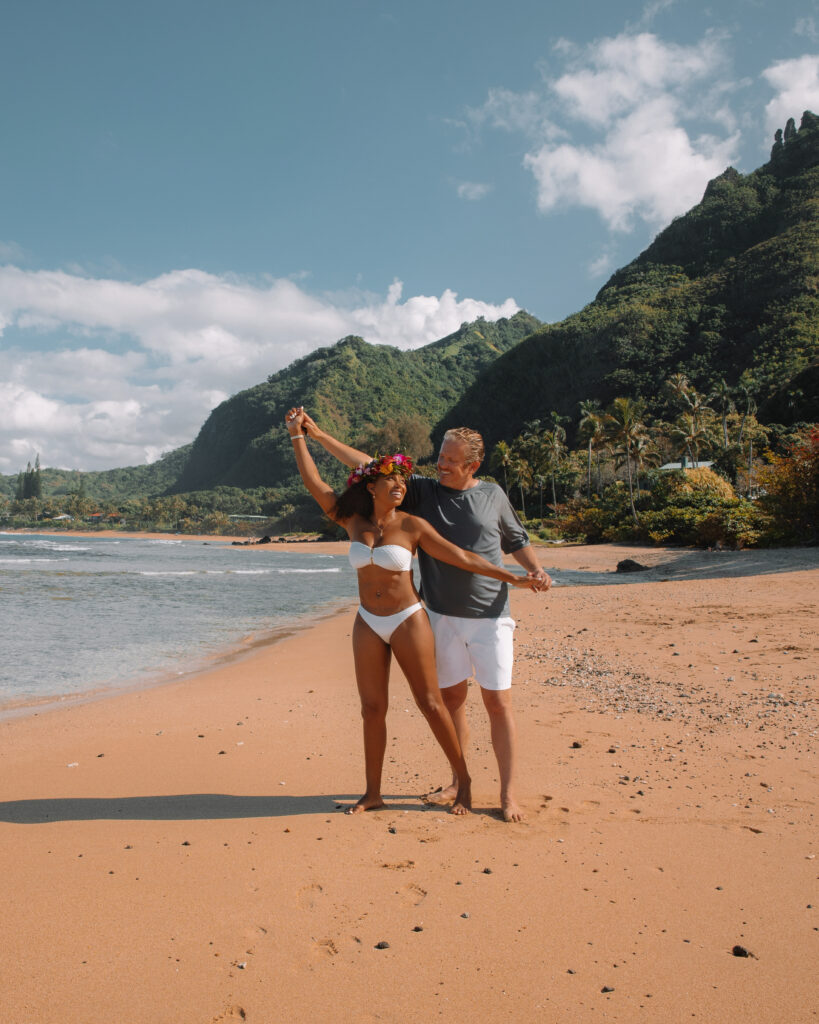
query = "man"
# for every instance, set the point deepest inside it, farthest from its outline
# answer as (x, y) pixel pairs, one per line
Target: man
(469, 614)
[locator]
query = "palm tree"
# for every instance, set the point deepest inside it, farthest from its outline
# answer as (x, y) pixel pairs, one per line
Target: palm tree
(698, 405)
(687, 396)
(286, 511)
(591, 427)
(744, 391)
(554, 449)
(691, 436)
(502, 456)
(724, 398)
(521, 473)
(540, 480)
(625, 427)
(645, 454)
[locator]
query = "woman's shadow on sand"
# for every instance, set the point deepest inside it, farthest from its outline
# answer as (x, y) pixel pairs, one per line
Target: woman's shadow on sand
(182, 807)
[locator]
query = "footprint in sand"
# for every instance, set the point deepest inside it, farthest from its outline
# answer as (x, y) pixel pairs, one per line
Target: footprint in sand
(308, 895)
(414, 894)
(232, 1013)
(324, 947)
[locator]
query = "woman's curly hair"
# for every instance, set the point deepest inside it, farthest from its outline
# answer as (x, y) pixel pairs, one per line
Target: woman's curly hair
(356, 499)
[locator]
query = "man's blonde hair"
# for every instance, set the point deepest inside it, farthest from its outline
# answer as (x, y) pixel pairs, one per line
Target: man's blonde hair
(471, 439)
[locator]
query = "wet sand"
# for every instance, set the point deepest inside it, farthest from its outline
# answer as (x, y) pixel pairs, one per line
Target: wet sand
(178, 854)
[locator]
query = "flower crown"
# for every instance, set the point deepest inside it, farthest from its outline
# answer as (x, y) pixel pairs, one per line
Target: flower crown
(385, 465)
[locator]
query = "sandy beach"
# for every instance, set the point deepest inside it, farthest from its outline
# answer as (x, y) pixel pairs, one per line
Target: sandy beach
(178, 854)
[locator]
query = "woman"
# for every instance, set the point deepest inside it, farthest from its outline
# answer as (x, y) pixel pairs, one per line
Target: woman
(391, 619)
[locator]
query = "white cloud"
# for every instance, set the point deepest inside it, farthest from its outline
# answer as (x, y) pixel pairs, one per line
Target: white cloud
(648, 168)
(614, 77)
(807, 27)
(473, 190)
(100, 373)
(11, 252)
(653, 9)
(510, 111)
(796, 83)
(611, 130)
(603, 263)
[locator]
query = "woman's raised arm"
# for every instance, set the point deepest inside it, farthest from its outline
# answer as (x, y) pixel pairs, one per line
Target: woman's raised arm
(321, 491)
(351, 457)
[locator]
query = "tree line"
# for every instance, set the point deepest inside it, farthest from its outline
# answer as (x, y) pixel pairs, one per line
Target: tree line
(723, 476)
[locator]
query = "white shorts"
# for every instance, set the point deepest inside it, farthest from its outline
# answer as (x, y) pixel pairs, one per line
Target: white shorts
(481, 648)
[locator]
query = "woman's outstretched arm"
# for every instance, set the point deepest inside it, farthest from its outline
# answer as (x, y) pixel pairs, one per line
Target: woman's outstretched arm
(434, 544)
(321, 491)
(351, 457)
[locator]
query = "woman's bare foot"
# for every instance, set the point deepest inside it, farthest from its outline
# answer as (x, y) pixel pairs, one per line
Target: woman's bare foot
(366, 803)
(463, 799)
(510, 809)
(442, 795)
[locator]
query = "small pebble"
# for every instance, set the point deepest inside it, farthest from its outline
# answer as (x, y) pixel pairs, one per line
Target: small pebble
(741, 951)
(577, 745)
(607, 988)
(487, 871)
(418, 928)
(464, 915)
(382, 945)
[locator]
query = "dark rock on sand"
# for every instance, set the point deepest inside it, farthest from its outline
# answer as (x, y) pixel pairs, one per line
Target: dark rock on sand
(629, 565)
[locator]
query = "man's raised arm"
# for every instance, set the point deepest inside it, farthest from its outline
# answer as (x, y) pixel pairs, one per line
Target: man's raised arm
(351, 457)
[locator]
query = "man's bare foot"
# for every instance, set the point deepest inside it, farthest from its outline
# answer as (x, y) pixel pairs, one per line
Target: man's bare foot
(443, 794)
(463, 799)
(366, 803)
(511, 811)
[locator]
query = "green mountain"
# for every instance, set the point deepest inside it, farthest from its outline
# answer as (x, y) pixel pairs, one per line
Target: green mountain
(351, 388)
(727, 290)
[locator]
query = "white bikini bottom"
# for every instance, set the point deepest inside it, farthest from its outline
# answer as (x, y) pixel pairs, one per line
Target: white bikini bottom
(385, 625)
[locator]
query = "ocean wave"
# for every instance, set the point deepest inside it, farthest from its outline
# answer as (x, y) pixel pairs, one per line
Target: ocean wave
(52, 545)
(308, 572)
(27, 560)
(168, 572)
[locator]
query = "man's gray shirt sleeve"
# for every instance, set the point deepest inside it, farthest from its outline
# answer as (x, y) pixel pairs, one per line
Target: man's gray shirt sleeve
(480, 519)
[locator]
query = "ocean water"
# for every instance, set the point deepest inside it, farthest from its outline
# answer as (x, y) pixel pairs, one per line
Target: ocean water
(81, 614)
(87, 614)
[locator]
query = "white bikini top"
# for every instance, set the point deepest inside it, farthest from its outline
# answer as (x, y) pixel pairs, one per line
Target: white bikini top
(387, 556)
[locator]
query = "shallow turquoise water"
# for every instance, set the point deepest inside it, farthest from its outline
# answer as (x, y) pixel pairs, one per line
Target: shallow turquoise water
(80, 614)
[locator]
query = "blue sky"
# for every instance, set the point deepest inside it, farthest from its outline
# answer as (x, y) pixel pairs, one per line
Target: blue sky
(196, 193)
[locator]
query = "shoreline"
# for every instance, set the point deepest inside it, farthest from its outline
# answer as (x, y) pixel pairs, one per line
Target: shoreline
(201, 538)
(191, 833)
(671, 562)
(242, 647)
(229, 655)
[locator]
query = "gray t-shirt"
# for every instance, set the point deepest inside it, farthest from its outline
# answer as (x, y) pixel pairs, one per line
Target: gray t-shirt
(480, 519)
